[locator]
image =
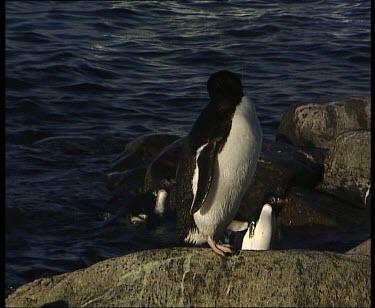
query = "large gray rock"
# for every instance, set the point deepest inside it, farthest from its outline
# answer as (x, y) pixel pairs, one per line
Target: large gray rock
(184, 277)
(318, 124)
(347, 168)
(280, 167)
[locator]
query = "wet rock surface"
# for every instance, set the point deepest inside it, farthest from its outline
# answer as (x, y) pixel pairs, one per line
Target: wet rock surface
(317, 124)
(347, 168)
(185, 277)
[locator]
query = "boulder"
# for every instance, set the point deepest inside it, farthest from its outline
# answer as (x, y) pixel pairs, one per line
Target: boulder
(280, 167)
(161, 172)
(185, 277)
(142, 151)
(146, 160)
(126, 182)
(318, 124)
(364, 248)
(315, 220)
(311, 208)
(347, 168)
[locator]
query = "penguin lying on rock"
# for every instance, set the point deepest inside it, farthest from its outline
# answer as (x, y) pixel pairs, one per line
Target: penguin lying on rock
(217, 164)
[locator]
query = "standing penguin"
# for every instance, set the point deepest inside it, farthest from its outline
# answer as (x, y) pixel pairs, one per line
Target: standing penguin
(217, 164)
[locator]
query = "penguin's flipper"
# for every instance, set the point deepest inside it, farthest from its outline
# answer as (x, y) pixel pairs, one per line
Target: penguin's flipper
(237, 225)
(203, 173)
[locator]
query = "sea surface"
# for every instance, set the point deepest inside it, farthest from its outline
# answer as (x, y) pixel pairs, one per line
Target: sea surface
(97, 74)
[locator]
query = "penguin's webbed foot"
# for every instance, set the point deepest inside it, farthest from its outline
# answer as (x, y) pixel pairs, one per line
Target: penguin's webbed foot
(220, 249)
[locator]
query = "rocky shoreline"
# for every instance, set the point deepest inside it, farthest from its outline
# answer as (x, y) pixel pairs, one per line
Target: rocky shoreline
(320, 162)
(185, 277)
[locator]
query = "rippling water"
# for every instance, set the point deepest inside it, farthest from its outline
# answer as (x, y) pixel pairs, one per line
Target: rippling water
(103, 72)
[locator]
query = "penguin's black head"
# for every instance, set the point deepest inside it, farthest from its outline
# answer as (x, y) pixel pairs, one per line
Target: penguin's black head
(225, 86)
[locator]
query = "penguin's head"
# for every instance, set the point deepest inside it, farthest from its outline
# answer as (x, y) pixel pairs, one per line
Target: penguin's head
(225, 86)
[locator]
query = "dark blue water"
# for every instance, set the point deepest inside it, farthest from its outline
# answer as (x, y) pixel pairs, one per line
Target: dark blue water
(103, 72)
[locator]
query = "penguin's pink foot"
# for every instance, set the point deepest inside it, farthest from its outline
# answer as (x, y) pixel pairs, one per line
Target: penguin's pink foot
(219, 249)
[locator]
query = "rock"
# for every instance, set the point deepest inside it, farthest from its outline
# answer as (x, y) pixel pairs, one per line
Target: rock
(135, 171)
(142, 151)
(280, 167)
(364, 248)
(315, 220)
(318, 124)
(309, 209)
(312, 208)
(126, 182)
(347, 167)
(161, 172)
(197, 277)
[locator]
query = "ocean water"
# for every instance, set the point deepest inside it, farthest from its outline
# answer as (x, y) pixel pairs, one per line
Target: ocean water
(100, 73)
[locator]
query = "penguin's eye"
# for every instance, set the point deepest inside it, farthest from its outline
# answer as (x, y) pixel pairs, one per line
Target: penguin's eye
(272, 200)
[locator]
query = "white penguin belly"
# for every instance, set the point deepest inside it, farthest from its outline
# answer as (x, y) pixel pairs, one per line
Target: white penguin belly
(233, 171)
(261, 236)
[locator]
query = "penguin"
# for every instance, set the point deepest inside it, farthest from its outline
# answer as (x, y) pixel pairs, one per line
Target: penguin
(217, 164)
(259, 234)
(160, 203)
(262, 234)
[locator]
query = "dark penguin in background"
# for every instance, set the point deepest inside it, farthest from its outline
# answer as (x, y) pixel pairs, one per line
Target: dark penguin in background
(217, 164)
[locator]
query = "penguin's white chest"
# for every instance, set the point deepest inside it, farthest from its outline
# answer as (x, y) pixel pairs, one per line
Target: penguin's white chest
(260, 237)
(233, 171)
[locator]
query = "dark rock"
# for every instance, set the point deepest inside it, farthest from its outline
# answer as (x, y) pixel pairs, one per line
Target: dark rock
(347, 168)
(145, 161)
(280, 167)
(150, 163)
(161, 172)
(126, 182)
(316, 220)
(318, 124)
(142, 151)
(188, 277)
(309, 207)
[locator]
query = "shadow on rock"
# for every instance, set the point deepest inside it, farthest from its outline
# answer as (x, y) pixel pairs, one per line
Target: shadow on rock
(56, 304)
